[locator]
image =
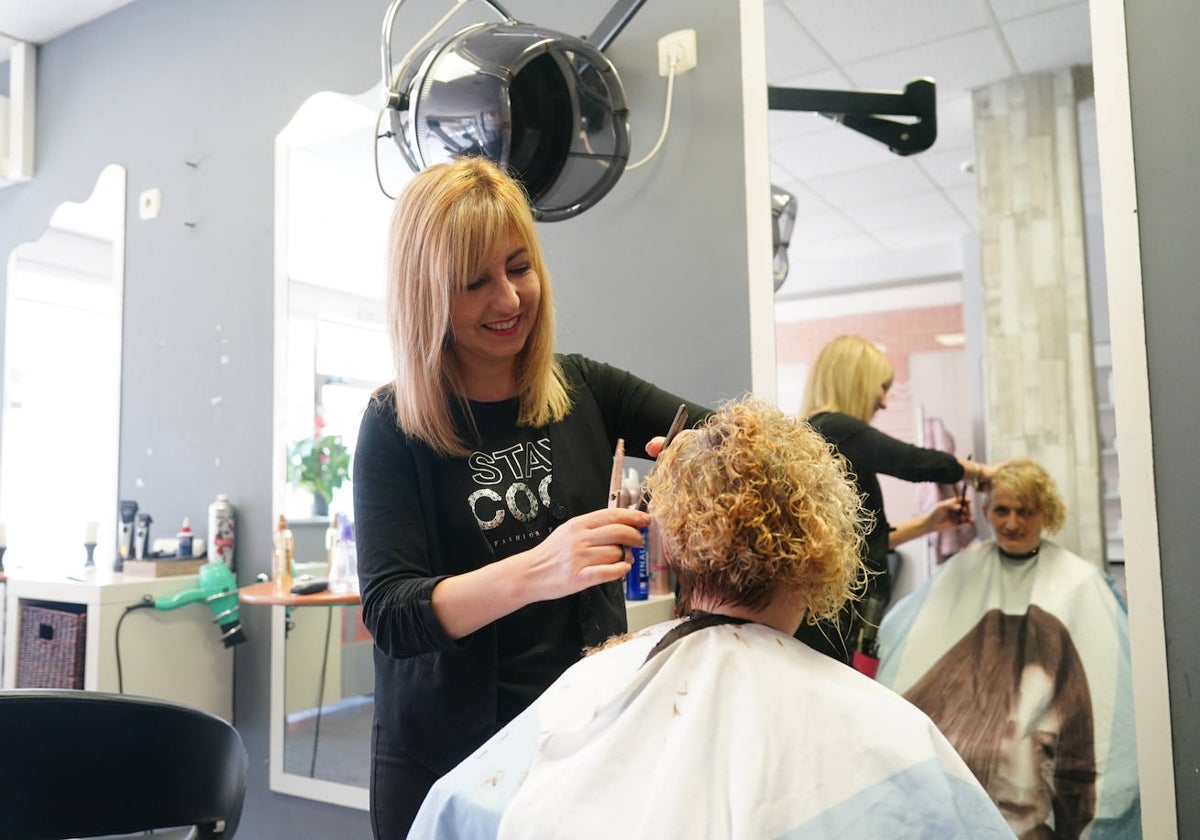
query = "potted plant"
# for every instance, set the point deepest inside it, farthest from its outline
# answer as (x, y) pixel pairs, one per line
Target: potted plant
(319, 464)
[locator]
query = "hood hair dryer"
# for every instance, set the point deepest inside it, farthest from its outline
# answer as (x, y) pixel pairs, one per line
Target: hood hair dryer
(218, 590)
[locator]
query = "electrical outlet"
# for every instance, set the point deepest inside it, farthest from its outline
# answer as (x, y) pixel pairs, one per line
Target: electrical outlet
(681, 45)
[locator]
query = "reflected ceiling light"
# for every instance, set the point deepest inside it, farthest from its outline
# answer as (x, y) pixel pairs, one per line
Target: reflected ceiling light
(951, 339)
(546, 105)
(783, 219)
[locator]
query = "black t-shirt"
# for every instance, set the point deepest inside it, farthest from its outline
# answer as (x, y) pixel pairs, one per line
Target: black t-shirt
(510, 475)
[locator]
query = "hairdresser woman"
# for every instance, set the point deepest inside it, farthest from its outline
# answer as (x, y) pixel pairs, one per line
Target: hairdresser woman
(848, 382)
(487, 557)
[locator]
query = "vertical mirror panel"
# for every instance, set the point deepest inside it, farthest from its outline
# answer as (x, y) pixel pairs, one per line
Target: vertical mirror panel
(62, 384)
(331, 353)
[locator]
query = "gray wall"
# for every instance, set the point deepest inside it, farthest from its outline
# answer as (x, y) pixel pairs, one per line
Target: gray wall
(1166, 130)
(189, 96)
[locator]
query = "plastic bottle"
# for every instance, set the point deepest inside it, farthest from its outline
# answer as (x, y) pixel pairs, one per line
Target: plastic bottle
(185, 539)
(331, 536)
(281, 566)
(343, 570)
(222, 520)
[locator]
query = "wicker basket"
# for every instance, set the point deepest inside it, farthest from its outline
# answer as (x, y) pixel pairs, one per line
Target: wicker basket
(51, 646)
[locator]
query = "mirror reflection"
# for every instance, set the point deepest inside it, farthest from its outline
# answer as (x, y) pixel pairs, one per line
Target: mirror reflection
(333, 351)
(62, 335)
(992, 313)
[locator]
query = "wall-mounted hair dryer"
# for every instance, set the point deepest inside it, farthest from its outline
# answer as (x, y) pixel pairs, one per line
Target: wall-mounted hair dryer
(548, 106)
(218, 590)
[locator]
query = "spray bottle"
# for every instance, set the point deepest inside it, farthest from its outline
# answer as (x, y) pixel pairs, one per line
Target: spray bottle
(221, 527)
(637, 579)
(343, 570)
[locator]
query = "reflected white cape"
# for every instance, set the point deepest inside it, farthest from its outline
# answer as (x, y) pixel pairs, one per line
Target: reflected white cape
(923, 626)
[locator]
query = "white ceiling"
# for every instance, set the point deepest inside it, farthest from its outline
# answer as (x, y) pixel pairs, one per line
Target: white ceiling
(39, 21)
(864, 214)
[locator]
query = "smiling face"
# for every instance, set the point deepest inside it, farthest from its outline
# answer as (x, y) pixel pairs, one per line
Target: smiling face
(492, 317)
(1022, 784)
(1016, 523)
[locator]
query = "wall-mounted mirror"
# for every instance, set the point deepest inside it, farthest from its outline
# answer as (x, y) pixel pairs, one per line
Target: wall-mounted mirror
(331, 352)
(895, 249)
(62, 384)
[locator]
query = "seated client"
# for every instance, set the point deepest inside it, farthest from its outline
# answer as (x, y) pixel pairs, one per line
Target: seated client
(722, 724)
(1019, 652)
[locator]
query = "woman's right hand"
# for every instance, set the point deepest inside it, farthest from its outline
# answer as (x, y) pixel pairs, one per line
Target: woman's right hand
(584, 551)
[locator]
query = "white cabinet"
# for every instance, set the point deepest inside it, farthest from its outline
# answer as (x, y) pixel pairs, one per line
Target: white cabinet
(172, 655)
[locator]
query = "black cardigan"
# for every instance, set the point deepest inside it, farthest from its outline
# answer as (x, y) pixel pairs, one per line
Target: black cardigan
(435, 696)
(871, 452)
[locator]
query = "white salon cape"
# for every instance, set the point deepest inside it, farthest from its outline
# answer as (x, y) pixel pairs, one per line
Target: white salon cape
(734, 731)
(923, 626)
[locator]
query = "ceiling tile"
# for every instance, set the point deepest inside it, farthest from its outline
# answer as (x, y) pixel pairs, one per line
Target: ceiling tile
(838, 149)
(907, 210)
(956, 64)
(966, 199)
(855, 29)
(839, 249)
(790, 50)
(892, 179)
(815, 229)
(956, 121)
(903, 237)
(784, 125)
(1051, 40)
(944, 167)
(1006, 10)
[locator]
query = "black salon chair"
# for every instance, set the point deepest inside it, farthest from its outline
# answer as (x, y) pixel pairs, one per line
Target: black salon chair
(86, 764)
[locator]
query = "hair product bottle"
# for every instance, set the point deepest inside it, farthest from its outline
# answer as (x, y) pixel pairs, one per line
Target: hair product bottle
(221, 530)
(281, 566)
(185, 539)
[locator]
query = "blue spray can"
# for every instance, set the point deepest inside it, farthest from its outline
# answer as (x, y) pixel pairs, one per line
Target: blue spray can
(637, 579)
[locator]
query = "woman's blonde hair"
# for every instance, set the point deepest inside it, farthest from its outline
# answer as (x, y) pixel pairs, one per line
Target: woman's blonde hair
(1033, 485)
(846, 377)
(756, 504)
(445, 225)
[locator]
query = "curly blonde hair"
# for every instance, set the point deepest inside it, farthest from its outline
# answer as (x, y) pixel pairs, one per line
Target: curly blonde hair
(754, 504)
(1033, 485)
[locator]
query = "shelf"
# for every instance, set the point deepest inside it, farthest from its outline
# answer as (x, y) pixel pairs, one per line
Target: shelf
(174, 654)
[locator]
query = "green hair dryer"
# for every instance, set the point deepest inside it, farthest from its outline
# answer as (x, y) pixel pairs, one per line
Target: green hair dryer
(218, 590)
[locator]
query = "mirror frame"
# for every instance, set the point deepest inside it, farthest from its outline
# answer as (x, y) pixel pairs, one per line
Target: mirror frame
(280, 781)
